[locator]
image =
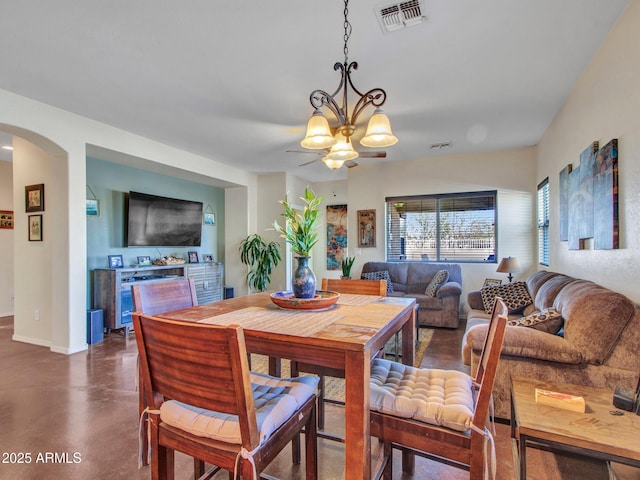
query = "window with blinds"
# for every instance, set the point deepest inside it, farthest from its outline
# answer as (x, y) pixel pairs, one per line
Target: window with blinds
(543, 222)
(455, 227)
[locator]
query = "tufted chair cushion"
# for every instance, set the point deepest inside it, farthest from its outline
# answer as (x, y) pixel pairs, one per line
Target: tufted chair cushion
(436, 397)
(275, 401)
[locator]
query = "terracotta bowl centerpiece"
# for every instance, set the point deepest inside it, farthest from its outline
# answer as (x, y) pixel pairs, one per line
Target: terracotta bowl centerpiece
(299, 231)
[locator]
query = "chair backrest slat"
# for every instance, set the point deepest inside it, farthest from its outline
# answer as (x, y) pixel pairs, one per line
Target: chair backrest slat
(355, 286)
(158, 297)
(201, 365)
(489, 358)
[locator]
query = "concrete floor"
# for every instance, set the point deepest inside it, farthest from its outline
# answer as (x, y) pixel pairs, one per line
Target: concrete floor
(75, 417)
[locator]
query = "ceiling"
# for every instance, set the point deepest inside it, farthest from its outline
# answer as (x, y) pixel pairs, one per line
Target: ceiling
(230, 79)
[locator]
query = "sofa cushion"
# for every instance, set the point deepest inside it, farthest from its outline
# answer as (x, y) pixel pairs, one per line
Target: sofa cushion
(382, 275)
(397, 272)
(436, 282)
(515, 295)
(547, 293)
(594, 318)
(549, 320)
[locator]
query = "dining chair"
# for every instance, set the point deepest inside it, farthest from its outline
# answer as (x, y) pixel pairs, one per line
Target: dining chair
(153, 298)
(208, 405)
(358, 287)
(439, 414)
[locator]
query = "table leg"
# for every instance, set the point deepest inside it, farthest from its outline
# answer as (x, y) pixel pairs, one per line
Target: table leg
(357, 439)
(408, 358)
(522, 458)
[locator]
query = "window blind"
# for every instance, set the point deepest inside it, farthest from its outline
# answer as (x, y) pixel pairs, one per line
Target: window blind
(543, 222)
(458, 227)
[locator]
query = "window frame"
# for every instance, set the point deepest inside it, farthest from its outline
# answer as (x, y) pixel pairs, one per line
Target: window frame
(542, 221)
(438, 198)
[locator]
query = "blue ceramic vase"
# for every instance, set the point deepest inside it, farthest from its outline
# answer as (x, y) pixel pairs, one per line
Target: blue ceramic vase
(304, 280)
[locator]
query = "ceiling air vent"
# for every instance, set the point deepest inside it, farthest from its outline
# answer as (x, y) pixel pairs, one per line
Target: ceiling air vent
(440, 145)
(396, 16)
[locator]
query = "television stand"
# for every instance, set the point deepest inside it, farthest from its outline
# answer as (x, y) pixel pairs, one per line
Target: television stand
(112, 287)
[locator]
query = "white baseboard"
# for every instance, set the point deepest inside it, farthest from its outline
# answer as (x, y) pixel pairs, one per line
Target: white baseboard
(32, 341)
(53, 348)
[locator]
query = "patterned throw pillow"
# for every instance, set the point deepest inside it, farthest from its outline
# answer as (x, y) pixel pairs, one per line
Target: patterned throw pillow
(439, 279)
(383, 275)
(515, 295)
(549, 320)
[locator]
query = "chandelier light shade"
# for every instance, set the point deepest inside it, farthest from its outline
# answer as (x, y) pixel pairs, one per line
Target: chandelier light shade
(319, 132)
(509, 265)
(342, 150)
(333, 164)
(379, 132)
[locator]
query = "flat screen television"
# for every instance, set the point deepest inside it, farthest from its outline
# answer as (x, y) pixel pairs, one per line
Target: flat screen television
(154, 221)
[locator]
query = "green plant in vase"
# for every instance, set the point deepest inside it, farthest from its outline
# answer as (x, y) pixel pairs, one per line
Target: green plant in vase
(262, 257)
(299, 231)
(347, 264)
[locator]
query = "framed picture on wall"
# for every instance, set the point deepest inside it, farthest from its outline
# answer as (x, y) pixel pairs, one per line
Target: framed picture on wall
(34, 198)
(209, 218)
(366, 228)
(35, 228)
(93, 207)
(6, 219)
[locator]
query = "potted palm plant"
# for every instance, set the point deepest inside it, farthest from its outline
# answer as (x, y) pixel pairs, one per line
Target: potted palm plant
(299, 231)
(262, 257)
(347, 263)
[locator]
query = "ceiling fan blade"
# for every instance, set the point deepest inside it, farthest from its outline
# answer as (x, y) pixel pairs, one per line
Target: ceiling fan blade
(350, 164)
(317, 152)
(310, 162)
(373, 154)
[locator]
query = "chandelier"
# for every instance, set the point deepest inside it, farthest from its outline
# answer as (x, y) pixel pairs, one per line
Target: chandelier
(319, 134)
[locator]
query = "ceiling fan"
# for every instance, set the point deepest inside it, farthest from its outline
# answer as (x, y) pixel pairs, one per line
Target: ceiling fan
(321, 154)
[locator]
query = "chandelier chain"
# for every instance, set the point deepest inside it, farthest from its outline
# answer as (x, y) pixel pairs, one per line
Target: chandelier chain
(347, 32)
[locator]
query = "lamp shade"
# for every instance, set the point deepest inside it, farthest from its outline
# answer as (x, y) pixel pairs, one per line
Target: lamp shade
(509, 265)
(342, 150)
(379, 132)
(318, 132)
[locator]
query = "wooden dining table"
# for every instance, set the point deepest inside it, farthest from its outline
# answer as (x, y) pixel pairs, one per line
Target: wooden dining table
(346, 336)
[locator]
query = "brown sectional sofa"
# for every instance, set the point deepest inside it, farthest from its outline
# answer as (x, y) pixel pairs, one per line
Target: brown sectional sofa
(411, 279)
(599, 345)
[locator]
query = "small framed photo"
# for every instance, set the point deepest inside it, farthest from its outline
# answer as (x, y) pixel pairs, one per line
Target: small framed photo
(115, 261)
(35, 228)
(6, 219)
(34, 198)
(144, 261)
(209, 218)
(193, 257)
(207, 257)
(491, 281)
(93, 207)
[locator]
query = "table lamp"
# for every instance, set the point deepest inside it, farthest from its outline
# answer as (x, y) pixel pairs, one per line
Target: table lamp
(509, 265)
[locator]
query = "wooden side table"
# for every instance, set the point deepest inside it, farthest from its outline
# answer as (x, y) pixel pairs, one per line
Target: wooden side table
(597, 433)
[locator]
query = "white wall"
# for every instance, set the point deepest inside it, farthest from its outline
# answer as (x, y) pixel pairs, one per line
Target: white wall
(65, 136)
(510, 172)
(6, 241)
(33, 261)
(604, 104)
